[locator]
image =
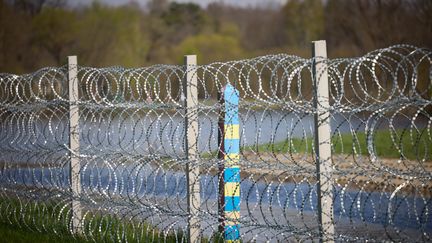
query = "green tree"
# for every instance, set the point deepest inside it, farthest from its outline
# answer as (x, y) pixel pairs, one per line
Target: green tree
(211, 47)
(304, 21)
(184, 19)
(54, 31)
(112, 36)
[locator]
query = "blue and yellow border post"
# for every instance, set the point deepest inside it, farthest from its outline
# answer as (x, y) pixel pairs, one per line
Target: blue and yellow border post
(231, 169)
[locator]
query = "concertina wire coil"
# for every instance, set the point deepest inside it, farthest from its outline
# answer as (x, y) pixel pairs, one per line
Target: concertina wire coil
(132, 150)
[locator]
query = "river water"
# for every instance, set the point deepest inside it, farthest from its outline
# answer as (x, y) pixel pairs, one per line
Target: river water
(163, 136)
(150, 183)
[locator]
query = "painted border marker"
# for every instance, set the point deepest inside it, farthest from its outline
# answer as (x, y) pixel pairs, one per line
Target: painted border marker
(231, 172)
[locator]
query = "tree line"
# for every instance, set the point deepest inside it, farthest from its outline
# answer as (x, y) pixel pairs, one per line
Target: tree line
(39, 33)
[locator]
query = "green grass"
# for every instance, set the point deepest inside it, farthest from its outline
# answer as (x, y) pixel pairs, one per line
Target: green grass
(48, 221)
(413, 145)
(14, 234)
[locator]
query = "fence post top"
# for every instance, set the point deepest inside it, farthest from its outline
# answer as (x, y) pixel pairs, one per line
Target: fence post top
(319, 49)
(190, 59)
(72, 57)
(319, 42)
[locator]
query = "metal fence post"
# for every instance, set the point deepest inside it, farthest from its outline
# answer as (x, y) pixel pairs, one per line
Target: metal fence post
(221, 157)
(231, 170)
(323, 142)
(74, 144)
(191, 129)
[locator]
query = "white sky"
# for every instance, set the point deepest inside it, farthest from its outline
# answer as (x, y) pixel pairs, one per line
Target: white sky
(203, 3)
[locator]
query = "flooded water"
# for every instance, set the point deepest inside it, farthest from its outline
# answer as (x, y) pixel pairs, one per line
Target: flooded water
(37, 143)
(163, 134)
(146, 182)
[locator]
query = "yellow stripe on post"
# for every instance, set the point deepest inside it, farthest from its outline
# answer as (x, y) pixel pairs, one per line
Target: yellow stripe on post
(232, 189)
(232, 131)
(231, 222)
(232, 215)
(231, 160)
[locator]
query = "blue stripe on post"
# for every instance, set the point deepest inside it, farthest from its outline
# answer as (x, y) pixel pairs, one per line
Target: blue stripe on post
(231, 97)
(232, 232)
(232, 174)
(232, 146)
(232, 203)
(231, 118)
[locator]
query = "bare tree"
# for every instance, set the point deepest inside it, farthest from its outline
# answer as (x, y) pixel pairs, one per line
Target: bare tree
(34, 7)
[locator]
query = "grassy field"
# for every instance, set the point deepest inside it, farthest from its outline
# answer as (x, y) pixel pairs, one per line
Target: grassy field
(47, 221)
(14, 234)
(414, 146)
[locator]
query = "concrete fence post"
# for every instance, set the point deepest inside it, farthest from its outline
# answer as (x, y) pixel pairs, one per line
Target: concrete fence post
(229, 206)
(323, 142)
(74, 144)
(191, 129)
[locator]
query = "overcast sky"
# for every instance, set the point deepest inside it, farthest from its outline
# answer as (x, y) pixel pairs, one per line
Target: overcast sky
(203, 3)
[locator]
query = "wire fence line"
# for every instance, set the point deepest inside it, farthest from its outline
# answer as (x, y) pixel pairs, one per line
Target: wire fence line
(164, 153)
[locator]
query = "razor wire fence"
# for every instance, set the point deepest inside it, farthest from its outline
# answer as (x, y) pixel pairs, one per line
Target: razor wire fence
(165, 153)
